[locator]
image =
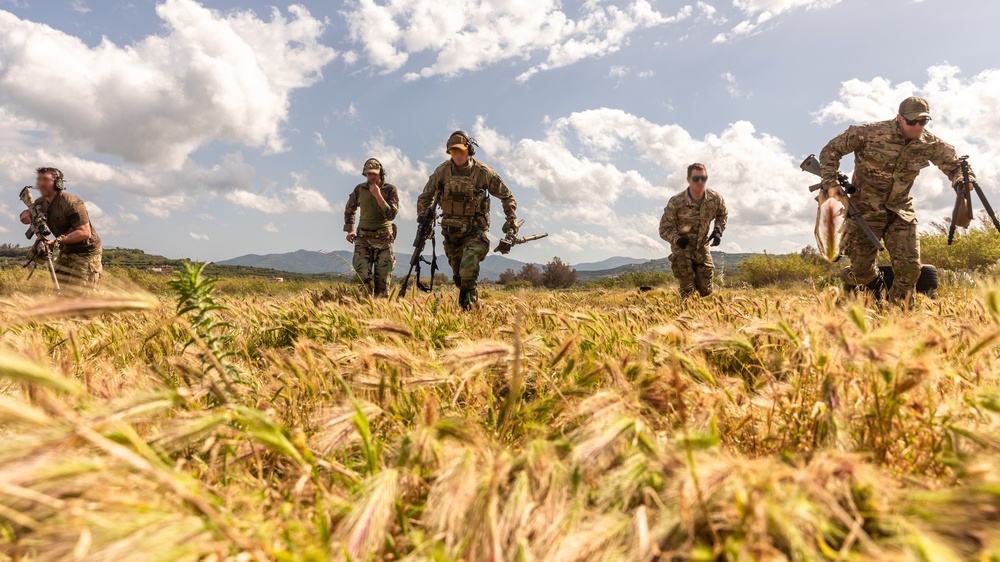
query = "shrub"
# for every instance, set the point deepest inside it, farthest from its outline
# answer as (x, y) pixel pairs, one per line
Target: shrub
(558, 275)
(975, 249)
(634, 280)
(767, 269)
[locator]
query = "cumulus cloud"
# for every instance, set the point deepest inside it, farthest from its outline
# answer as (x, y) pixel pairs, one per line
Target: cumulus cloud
(209, 77)
(197, 236)
(270, 227)
(473, 34)
(758, 14)
(298, 198)
(965, 110)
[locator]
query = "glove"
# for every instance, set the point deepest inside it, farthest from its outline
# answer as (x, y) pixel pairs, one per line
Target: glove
(510, 227)
(682, 242)
(716, 238)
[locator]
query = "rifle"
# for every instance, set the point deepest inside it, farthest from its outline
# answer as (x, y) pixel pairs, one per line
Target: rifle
(811, 165)
(963, 201)
(511, 240)
(40, 251)
(425, 231)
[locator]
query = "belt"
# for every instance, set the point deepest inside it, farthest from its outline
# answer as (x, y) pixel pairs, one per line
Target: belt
(380, 233)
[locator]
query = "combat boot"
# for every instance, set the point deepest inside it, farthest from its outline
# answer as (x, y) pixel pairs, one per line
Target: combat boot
(467, 298)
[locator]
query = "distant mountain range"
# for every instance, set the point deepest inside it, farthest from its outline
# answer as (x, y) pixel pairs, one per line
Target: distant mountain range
(307, 261)
(339, 262)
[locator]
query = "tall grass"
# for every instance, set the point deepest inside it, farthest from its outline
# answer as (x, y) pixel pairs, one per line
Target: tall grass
(588, 425)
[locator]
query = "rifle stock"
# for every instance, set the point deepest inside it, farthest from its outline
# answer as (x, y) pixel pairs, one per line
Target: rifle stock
(811, 165)
(511, 240)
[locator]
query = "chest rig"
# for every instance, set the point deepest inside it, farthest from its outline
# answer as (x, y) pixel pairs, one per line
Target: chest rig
(464, 206)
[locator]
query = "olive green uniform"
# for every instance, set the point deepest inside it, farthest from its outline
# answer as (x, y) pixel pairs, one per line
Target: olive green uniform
(79, 264)
(685, 216)
(374, 257)
(886, 164)
(463, 194)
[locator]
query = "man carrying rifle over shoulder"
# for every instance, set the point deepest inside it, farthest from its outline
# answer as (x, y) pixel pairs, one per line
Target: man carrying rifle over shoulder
(79, 260)
(373, 253)
(462, 186)
(888, 155)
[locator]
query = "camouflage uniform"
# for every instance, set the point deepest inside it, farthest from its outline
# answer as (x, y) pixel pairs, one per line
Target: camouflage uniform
(374, 257)
(684, 216)
(77, 265)
(463, 194)
(885, 165)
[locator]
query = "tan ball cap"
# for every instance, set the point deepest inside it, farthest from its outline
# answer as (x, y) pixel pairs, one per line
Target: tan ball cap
(915, 108)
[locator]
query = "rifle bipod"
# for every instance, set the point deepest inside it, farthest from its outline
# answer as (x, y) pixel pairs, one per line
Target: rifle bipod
(963, 200)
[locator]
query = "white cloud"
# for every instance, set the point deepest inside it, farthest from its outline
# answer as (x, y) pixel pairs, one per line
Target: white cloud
(319, 139)
(471, 34)
(298, 198)
(104, 224)
(269, 227)
(757, 13)
(209, 77)
(731, 85)
(197, 236)
(79, 6)
(162, 206)
(966, 112)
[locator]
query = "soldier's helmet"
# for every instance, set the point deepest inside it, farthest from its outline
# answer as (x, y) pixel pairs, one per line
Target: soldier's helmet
(371, 165)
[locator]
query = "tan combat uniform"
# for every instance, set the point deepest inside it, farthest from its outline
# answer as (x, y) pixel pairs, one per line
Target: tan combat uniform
(374, 256)
(463, 194)
(77, 265)
(684, 216)
(885, 166)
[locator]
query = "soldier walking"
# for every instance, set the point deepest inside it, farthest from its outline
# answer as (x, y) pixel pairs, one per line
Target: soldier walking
(888, 155)
(79, 261)
(685, 225)
(374, 257)
(462, 186)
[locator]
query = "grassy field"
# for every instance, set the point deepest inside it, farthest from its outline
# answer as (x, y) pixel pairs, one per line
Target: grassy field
(305, 422)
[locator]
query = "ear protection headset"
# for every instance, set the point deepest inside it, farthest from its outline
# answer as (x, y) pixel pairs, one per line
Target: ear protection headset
(57, 177)
(381, 168)
(469, 141)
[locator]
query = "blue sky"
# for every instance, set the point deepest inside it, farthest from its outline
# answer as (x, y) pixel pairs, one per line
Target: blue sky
(215, 129)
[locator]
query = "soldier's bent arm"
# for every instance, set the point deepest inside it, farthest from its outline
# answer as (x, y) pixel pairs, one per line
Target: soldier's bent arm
(391, 203)
(946, 159)
(426, 199)
(350, 210)
(829, 158)
(722, 215)
(668, 225)
(499, 189)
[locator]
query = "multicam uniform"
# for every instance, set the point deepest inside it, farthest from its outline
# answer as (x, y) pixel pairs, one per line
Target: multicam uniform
(885, 165)
(463, 194)
(685, 216)
(374, 257)
(79, 264)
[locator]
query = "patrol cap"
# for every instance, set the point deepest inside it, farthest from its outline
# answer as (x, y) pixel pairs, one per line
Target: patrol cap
(458, 139)
(915, 108)
(371, 165)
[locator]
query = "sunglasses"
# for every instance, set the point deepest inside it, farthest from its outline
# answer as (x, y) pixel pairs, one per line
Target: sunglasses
(698, 179)
(921, 122)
